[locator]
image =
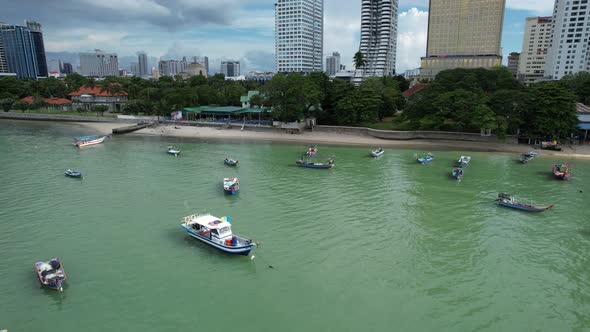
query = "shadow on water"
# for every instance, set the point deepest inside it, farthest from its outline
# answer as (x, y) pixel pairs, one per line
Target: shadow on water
(584, 231)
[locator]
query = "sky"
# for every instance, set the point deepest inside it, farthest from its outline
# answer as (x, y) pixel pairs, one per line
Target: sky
(225, 29)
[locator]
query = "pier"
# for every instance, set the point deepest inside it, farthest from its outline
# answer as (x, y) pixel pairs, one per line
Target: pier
(130, 129)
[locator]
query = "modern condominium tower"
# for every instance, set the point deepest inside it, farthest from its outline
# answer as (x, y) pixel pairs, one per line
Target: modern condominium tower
(142, 62)
(99, 64)
(22, 51)
(299, 35)
(379, 36)
(535, 42)
(569, 51)
(463, 34)
(333, 64)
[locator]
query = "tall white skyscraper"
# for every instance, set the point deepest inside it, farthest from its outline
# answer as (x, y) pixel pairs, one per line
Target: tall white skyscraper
(333, 64)
(230, 68)
(569, 51)
(299, 35)
(379, 36)
(99, 64)
(535, 42)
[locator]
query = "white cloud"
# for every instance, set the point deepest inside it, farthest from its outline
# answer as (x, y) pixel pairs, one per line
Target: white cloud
(411, 39)
(132, 7)
(539, 7)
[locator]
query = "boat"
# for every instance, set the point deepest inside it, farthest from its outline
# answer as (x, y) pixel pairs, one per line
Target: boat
(217, 233)
(464, 161)
(510, 201)
(312, 151)
(426, 159)
(377, 153)
(230, 162)
(526, 157)
(88, 140)
(309, 164)
(562, 171)
(171, 150)
(51, 274)
(231, 185)
(550, 145)
(73, 174)
(457, 173)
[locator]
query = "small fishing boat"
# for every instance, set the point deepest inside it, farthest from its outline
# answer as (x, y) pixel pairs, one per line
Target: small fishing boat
(526, 157)
(312, 151)
(51, 274)
(217, 233)
(464, 161)
(308, 164)
(73, 174)
(171, 150)
(377, 153)
(230, 162)
(83, 141)
(426, 159)
(562, 171)
(457, 173)
(231, 185)
(510, 201)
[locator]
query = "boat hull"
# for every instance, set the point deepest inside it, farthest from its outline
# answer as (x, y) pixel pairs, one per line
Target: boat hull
(81, 144)
(424, 160)
(229, 163)
(73, 174)
(173, 152)
(315, 166)
(377, 153)
(231, 191)
(527, 208)
(233, 250)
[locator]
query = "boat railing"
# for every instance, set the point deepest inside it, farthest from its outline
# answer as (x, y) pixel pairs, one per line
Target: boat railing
(192, 217)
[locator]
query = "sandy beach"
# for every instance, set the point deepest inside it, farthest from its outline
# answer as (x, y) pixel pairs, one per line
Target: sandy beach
(329, 138)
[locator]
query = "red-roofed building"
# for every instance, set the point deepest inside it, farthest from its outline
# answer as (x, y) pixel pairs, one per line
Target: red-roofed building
(88, 96)
(56, 103)
(416, 88)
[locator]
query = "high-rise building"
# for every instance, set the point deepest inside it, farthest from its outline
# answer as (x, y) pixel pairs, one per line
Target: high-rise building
(299, 35)
(196, 69)
(67, 68)
(169, 67)
(230, 68)
(154, 73)
(379, 36)
(22, 50)
(99, 64)
(569, 50)
(512, 64)
(333, 64)
(536, 41)
(142, 60)
(463, 34)
(134, 68)
(54, 66)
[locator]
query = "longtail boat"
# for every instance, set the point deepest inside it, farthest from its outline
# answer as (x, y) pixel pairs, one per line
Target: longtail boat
(231, 185)
(562, 171)
(426, 159)
(377, 153)
(464, 161)
(526, 157)
(83, 141)
(510, 201)
(309, 164)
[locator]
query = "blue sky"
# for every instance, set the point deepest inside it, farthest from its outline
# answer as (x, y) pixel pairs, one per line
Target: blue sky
(226, 29)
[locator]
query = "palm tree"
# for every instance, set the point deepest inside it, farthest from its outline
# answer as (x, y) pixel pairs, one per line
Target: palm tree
(360, 62)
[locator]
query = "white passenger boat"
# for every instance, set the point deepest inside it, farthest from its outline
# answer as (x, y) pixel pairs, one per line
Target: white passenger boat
(217, 233)
(88, 140)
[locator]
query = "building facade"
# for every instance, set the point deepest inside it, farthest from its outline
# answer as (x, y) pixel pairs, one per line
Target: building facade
(230, 68)
(99, 64)
(463, 34)
(55, 66)
(67, 68)
(333, 64)
(196, 69)
(169, 68)
(22, 50)
(88, 96)
(142, 62)
(260, 77)
(513, 59)
(379, 37)
(535, 42)
(299, 36)
(569, 50)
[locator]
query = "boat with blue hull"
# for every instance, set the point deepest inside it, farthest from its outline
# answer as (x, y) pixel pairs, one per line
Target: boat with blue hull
(377, 153)
(457, 173)
(230, 162)
(308, 164)
(73, 174)
(217, 233)
(231, 185)
(510, 201)
(51, 274)
(426, 159)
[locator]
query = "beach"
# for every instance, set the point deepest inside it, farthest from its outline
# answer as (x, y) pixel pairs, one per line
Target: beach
(249, 134)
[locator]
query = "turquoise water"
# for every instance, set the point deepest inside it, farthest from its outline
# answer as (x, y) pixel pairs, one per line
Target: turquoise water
(371, 245)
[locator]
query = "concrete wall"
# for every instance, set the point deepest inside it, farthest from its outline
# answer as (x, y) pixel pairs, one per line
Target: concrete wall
(56, 117)
(137, 117)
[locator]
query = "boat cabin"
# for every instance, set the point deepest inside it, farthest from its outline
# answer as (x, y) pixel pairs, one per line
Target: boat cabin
(208, 226)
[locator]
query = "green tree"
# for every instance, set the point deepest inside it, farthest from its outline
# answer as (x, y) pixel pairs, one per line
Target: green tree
(360, 61)
(74, 81)
(100, 109)
(553, 111)
(287, 95)
(6, 104)
(38, 103)
(256, 100)
(20, 105)
(579, 84)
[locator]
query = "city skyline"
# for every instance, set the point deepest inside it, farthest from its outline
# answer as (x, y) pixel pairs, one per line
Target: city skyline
(243, 31)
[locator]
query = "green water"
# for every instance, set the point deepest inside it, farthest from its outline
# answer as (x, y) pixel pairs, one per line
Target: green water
(371, 245)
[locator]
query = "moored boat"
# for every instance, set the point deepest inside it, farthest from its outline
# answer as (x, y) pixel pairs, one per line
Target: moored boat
(231, 185)
(73, 174)
(510, 201)
(562, 171)
(171, 150)
(426, 159)
(377, 153)
(83, 141)
(464, 161)
(217, 233)
(51, 274)
(312, 151)
(230, 162)
(308, 164)
(526, 157)
(457, 173)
